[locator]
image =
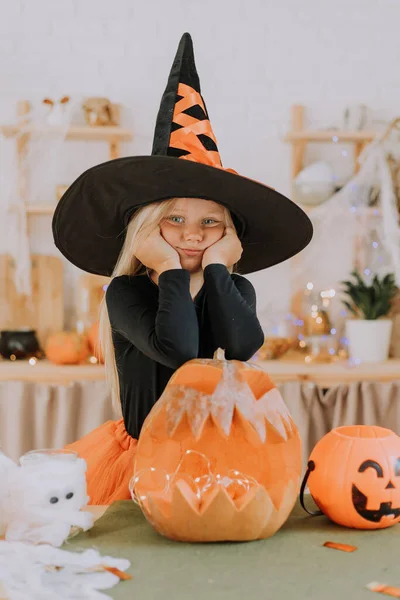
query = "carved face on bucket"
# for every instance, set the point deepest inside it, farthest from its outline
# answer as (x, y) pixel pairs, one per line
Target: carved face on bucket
(356, 479)
(374, 492)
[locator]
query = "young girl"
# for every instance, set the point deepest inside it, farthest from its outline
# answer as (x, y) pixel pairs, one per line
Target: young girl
(169, 229)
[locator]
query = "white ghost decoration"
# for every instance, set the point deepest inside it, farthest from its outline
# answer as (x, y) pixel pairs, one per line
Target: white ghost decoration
(42, 499)
(28, 572)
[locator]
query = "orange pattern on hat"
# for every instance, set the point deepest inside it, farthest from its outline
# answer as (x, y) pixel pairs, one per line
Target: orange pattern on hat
(186, 138)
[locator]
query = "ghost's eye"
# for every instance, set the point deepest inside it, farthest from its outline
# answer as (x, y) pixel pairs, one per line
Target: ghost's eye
(69, 495)
(53, 500)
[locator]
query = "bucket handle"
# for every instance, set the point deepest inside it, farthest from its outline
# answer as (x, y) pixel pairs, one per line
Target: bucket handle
(310, 468)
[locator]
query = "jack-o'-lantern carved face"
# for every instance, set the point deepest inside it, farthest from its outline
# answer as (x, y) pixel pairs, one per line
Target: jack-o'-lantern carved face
(385, 488)
(229, 450)
(356, 476)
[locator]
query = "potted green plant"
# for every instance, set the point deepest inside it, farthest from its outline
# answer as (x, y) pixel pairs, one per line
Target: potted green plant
(369, 331)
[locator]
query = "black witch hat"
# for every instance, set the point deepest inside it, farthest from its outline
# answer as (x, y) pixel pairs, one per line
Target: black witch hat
(90, 221)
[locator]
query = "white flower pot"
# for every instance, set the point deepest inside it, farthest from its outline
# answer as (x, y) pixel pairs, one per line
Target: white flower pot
(369, 340)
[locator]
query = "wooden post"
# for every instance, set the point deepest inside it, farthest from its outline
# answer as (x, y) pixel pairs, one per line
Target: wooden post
(362, 217)
(358, 148)
(89, 293)
(298, 151)
(114, 149)
(298, 147)
(23, 108)
(22, 139)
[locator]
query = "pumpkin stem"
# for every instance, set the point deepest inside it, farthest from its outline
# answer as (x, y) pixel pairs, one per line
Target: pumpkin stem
(219, 354)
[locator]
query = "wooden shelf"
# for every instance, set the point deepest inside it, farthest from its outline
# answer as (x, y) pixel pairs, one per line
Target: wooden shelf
(331, 374)
(325, 375)
(48, 209)
(46, 372)
(44, 310)
(38, 209)
(75, 132)
(299, 137)
(41, 209)
(362, 212)
(329, 136)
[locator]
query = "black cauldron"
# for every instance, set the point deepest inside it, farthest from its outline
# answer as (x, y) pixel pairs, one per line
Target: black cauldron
(19, 344)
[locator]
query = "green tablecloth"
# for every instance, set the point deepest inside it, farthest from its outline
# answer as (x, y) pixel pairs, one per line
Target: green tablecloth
(291, 565)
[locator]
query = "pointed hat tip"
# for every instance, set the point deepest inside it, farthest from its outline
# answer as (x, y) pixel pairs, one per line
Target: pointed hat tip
(186, 36)
(186, 42)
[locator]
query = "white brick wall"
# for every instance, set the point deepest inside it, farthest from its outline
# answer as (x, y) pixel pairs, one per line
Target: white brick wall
(255, 59)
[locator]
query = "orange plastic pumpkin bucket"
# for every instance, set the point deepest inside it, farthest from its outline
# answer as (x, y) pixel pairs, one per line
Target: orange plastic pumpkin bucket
(353, 476)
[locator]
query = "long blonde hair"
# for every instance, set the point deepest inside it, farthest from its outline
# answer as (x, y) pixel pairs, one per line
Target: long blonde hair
(143, 222)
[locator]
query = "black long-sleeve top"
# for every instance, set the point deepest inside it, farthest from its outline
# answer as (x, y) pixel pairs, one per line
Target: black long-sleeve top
(157, 328)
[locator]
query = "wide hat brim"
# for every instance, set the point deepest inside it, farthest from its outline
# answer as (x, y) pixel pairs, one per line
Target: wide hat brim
(90, 220)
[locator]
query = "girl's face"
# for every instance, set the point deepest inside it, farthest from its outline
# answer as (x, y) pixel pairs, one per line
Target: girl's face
(191, 227)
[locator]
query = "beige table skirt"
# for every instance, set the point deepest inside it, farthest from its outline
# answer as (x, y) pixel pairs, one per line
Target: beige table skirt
(317, 412)
(39, 415)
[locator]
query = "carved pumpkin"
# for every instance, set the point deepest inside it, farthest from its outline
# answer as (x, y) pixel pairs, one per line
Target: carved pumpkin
(218, 457)
(67, 348)
(94, 342)
(354, 476)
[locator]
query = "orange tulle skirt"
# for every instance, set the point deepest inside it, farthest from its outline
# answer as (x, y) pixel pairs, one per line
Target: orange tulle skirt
(109, 452)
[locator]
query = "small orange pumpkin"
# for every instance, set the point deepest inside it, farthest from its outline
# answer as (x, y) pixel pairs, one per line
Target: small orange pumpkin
(67, 348)
(354, 476)
(94, 341)
(218, 457)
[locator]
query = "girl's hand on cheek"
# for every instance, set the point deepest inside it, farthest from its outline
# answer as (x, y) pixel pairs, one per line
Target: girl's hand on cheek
(227, 251)
(156, 254)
